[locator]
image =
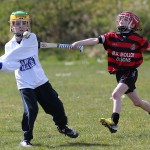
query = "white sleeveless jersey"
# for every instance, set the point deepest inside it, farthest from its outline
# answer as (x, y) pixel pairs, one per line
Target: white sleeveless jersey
(23, 59)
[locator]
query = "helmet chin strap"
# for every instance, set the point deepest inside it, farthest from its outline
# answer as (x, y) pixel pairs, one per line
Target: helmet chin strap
(123, 29)
(19, 37)
(18, 34)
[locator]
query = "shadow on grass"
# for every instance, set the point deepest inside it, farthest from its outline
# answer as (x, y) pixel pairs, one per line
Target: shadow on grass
(78, 144)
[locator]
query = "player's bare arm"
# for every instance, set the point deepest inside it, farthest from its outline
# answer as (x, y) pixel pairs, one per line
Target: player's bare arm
(90, 41)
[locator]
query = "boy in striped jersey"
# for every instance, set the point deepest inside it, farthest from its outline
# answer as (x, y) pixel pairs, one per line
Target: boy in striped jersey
(124, 49)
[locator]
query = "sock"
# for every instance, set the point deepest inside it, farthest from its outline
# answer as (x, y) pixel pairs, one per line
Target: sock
(61, 127)
(115, 118)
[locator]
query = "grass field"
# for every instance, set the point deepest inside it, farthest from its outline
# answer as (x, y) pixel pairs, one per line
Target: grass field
(85, 88)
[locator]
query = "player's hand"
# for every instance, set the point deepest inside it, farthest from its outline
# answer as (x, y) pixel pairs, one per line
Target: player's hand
(75, 45)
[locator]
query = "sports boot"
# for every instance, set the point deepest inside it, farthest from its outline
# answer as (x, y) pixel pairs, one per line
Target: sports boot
(68, 131)
(109, 124)
(26, 144)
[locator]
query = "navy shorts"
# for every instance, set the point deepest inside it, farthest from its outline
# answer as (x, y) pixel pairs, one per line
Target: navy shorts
(128, 77)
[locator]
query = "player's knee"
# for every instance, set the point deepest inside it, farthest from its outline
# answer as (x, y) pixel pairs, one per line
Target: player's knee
(33, 111)
(115, 95)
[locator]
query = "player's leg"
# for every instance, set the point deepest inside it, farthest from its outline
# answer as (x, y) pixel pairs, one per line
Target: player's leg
(50, 102)
(122, 87)
(126, 80)
(30, 113)
(139, 102)
(111, 123)
(116, 96)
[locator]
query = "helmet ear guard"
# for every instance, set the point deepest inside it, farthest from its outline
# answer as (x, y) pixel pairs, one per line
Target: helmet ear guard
(19, 16)
(131, 19)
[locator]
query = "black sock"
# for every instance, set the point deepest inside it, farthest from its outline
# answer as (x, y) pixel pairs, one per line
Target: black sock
(115, 118)
(61, 127)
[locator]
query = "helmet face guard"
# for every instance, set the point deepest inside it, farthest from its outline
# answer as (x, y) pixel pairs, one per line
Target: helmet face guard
(127, 21)
(19, 22)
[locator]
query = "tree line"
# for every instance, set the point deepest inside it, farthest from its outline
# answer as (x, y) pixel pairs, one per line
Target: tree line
(70, 20)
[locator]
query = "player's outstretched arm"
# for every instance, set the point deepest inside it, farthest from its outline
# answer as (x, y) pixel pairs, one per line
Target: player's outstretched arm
(89, 41)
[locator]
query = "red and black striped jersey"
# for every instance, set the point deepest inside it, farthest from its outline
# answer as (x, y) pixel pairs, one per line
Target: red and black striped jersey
(124, 52)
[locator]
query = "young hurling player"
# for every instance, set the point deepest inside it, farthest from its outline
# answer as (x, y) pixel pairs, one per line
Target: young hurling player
(124, 49)
(21, 55)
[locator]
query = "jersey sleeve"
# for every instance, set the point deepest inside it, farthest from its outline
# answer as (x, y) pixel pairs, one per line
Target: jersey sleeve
(101, 39)
(11, 58)
(105, 38)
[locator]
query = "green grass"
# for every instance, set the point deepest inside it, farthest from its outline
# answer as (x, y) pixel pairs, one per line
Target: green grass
(85, 88)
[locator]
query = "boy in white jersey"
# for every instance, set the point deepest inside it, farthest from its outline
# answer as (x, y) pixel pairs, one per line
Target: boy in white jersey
(21, 56)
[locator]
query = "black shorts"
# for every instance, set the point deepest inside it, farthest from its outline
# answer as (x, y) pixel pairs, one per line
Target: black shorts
(128, 77)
